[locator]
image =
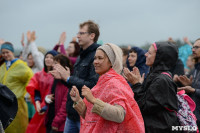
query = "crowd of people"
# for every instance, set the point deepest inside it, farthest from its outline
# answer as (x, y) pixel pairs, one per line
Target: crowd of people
(92, 88)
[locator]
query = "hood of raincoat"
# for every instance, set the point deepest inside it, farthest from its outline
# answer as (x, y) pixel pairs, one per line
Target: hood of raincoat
(166, 56)
(140, 62)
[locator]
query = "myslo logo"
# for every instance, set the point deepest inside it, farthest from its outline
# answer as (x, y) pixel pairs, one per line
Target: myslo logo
(184, 128)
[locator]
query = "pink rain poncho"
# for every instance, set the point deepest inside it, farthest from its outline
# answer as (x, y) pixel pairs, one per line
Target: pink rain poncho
(112, 88)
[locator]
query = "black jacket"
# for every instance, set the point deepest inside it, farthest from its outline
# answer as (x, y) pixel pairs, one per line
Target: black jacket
(178, 69)
(84, 74)
(158, 92)
(196, 96)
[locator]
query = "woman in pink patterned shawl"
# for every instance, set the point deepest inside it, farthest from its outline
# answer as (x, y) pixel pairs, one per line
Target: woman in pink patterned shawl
(109, 107)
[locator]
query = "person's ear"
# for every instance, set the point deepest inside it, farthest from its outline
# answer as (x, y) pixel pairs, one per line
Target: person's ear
(92, 35)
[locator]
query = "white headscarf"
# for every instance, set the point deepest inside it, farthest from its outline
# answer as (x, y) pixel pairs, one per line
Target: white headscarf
(115, 56)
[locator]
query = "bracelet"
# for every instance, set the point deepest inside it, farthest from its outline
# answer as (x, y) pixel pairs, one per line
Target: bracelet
(67, 79)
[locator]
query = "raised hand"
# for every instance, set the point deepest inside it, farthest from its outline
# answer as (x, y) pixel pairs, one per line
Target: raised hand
(185, 80)
(28, 34)
(87, 93)
(62, 38)
(1, 41)
(33, 37)
(22, 40)
(74, 94)
(74, 39)
(186, 40)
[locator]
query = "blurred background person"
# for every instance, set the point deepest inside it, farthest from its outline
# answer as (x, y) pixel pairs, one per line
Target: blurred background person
(31, 54)
(125, 55)
(136, 58)
(15, 74)
(178, 69)
(190, 64)
(57, 99)
(1, 57)
(185, 51)
(38, 88)
(34, 59)
(191, 85)
(72, 51)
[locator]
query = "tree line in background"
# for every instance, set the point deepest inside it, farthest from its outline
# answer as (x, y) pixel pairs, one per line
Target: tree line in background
(146, 46)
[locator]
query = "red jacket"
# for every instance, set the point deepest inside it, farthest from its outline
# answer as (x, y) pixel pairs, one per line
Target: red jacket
(42, 82)
(60, 106)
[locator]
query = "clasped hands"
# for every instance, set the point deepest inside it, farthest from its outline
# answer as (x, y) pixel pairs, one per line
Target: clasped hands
(186, 82)
(86, 92)
(133, 76)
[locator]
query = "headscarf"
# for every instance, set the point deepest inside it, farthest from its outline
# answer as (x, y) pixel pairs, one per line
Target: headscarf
(7, 46)
(115, 56)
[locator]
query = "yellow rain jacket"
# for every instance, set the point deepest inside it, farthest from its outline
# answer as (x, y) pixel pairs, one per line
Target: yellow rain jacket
(16, 78)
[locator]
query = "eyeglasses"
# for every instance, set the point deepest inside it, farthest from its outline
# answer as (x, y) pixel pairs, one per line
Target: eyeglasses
(82, 33)
(195, 47)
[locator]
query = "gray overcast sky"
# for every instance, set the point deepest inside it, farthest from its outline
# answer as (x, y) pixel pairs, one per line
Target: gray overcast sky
(121, 21)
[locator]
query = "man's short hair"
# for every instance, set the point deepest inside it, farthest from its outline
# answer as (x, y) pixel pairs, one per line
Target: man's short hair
(197, 39)
(92, 28)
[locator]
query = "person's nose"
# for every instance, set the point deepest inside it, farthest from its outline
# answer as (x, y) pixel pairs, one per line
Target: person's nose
(96, 61)
(78, 36)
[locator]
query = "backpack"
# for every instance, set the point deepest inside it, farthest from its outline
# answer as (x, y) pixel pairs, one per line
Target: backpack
(8, 106)
(185, 115)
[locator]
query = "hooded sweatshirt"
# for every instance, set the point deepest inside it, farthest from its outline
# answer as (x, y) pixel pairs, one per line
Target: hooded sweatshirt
(140, 62)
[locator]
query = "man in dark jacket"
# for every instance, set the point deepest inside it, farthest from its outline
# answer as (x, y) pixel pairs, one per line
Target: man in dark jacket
(192, 85)
(157, 93)
(84, 72)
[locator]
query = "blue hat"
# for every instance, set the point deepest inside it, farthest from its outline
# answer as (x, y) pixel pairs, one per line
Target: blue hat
(52, 52)
(7, 46)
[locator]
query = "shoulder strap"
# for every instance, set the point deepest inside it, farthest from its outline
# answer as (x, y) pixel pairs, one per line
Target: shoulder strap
(166, 74)
(171, 78)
